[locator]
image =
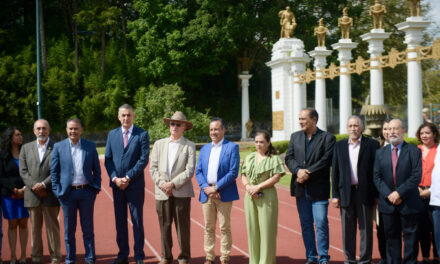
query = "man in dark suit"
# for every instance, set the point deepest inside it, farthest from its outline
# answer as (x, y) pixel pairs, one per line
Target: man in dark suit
(39, 199)
(353, 189)
(397, 174)
(309, 157)
(76, 180)
(216, 173)
(126, 156)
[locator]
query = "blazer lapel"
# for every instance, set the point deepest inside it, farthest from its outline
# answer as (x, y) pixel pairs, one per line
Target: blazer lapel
(179, 150)
(133, 134)
(362, 148)
(84, 152)
(222, 153)
(345, 154)
(315, 139)
(164, 156)
(35, 152)
(47, 152)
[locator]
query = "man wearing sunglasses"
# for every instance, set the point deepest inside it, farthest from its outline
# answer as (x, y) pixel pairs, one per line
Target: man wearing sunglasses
(172, 167)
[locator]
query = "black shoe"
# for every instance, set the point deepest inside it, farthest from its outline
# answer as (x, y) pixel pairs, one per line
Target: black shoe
(311, 262)
(120, 261)
(324, 262)
(139, 261)
(90, 262)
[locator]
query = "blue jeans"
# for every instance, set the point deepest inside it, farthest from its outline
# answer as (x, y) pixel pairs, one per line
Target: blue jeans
(314, 213)
(436, 220)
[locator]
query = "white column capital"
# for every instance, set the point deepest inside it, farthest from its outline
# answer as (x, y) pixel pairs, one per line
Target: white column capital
(344, 47)
(320, 55)
(375, 41)
(244, 76)
(413, 28)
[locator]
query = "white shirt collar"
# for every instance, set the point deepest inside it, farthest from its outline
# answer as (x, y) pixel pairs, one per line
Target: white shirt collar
(177, 141)
(45, 144)
(73, 145)
(130, 130)
(358, 141)
(218, 144)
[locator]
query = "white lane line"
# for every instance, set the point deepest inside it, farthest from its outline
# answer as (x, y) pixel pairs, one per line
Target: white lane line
(203, 227)
(129, 220)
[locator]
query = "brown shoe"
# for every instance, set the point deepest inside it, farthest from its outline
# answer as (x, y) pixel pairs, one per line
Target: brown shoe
(164, 261)
(225, 262)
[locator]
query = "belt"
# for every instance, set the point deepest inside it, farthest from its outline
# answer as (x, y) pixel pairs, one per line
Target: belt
(76, 187)
(212, 184)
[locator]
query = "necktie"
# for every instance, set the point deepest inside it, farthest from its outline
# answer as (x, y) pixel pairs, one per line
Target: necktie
(125, 138)
(394, 159)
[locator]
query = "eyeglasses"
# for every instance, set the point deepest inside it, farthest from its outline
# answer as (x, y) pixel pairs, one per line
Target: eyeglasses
(175, 124)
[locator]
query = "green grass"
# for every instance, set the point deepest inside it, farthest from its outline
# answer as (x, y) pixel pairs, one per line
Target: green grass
(285, 180)
(101, 150)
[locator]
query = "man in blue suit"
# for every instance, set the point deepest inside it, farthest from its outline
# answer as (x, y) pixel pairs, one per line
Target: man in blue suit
(217, 169)
(126, 156)
(397, 174)
(76, 180)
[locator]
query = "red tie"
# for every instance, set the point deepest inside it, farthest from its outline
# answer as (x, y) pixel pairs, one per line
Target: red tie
(125, 138)
(394, 159)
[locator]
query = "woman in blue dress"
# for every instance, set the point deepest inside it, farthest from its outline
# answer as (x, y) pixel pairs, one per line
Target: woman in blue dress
(12, 192)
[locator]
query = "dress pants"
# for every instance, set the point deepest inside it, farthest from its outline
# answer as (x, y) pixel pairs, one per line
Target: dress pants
(134, 198)
(50, 216)
(262, 226)
(436, 221)
(212, 208)
(82, 200)
(381, 241)
(426, 228)
(314, 214)
(395, 224)
(178, 210)
(357, 214)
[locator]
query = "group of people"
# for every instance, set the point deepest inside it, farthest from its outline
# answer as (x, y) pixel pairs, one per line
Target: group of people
(401, 179)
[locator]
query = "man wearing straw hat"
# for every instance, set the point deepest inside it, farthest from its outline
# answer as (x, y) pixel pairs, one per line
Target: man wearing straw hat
(172, 167)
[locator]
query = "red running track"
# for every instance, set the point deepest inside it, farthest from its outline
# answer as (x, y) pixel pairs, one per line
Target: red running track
(290, 248)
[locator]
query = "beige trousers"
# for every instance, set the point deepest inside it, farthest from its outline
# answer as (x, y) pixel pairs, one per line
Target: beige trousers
(211, 209)
(50, 215)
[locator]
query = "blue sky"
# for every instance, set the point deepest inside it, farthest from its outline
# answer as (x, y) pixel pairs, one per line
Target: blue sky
(433, 15)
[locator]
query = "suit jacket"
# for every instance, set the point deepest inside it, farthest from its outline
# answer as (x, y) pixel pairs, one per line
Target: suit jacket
(182, 168)
(408, 177)
(9, 176)
(61, 167)
(131, 161)
(32, 172)
(227, 171)
(318, 163)
(341, 172)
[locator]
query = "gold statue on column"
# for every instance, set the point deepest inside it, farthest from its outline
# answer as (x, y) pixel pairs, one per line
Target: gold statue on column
(377, 11)
(345, 22)
(415, 7)
(249, 128)
(287, 22)
(321, 32)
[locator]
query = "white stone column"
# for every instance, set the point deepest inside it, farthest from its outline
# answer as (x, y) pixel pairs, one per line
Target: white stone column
(244, 102)
(299, 96)
(375, 47)
(413, 28)
(320, 55)
(344, 47)
(284, 53)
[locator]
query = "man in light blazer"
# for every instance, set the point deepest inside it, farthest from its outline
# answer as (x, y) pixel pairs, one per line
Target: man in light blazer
(216, 173)
(353, 189)
(172, 167)
(126, 156)
(397, 174)
(76, 180)
(309, 158)
(39, 199)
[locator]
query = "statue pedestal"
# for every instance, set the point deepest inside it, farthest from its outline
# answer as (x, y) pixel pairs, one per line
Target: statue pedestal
(375, 47)
(413, 28)
(344, 47)
(244, 103)
(320, 55)
(288, 58)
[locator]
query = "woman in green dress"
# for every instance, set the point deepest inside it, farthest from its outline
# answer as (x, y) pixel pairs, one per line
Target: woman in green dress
(260, 171)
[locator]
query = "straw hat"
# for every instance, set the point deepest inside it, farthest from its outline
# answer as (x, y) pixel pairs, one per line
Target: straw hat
(178, 117)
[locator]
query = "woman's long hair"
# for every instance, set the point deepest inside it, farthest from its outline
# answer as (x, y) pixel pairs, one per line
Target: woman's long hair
(6, 141)
(271, 150)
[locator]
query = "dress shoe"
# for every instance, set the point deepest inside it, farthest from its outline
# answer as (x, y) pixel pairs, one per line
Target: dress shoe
(311, 262)
(224, 262)
(120, 261)
(183, 262)
(324, 262)
(139, 261)
(90, 262)
(164, 261)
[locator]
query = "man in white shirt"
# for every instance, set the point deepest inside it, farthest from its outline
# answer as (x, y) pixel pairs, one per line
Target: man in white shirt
(217, 169)
(353, 189)
(38, 196)
(172, 167)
